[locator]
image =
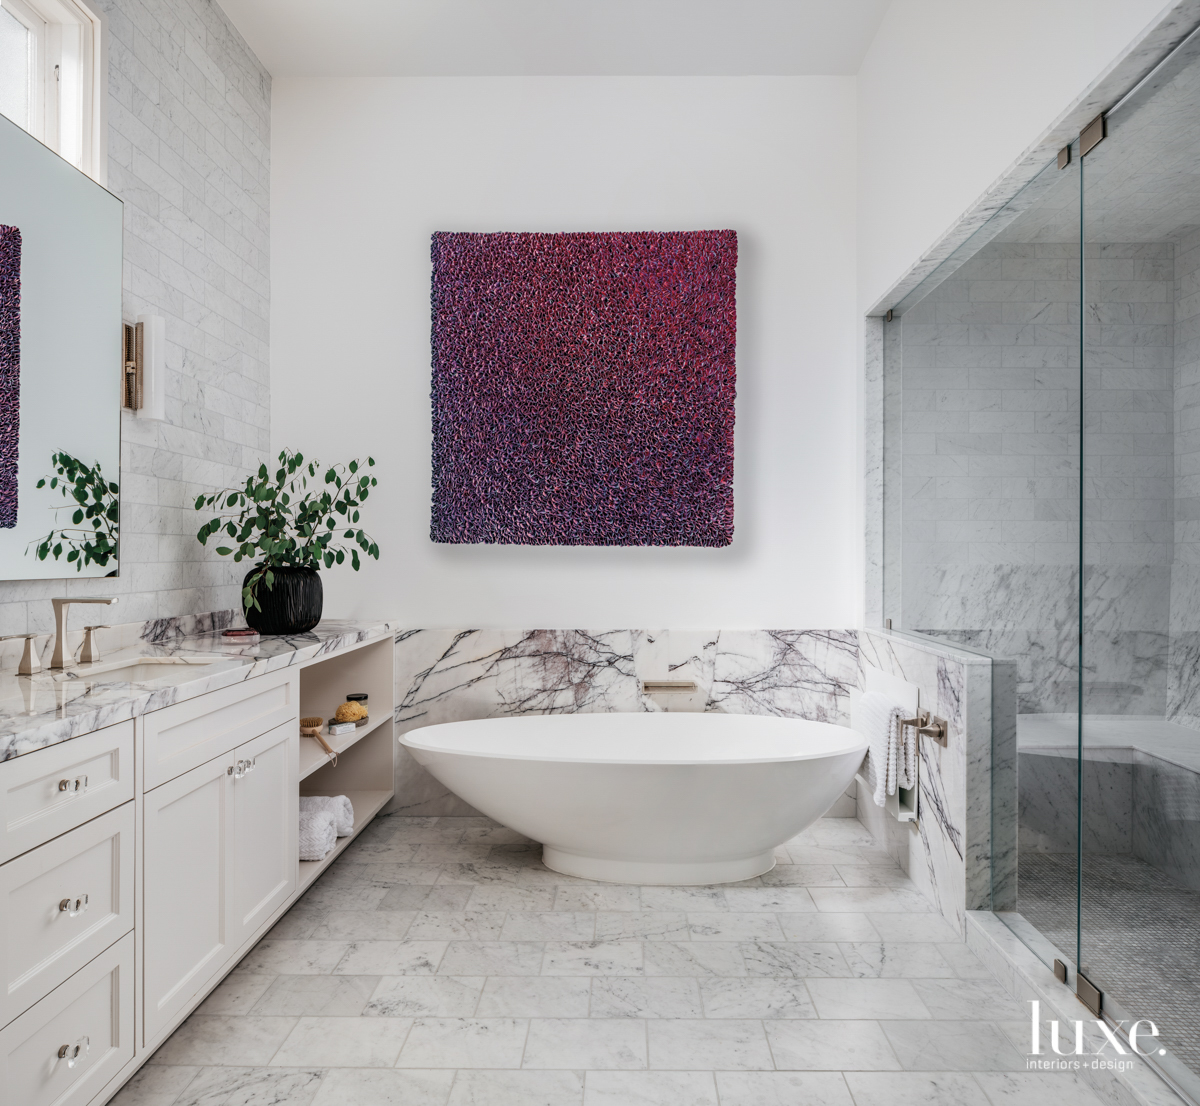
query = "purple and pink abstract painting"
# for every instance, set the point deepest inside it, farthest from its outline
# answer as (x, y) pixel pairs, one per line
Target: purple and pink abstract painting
(583, 388)
(10, 371)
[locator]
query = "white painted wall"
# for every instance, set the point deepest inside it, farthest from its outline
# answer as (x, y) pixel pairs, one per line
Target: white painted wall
(951, 92)
(364, 170)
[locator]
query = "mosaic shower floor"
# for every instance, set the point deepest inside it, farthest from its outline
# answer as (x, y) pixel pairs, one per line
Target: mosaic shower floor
(1141, 936)
(438, 963)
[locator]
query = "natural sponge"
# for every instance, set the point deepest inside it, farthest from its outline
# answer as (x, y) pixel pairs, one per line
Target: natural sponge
(350, 712)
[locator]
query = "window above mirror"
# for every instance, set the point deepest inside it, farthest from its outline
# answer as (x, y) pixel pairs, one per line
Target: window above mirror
(51, 76)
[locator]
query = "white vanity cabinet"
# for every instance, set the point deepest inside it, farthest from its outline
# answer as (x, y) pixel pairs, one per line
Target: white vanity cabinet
(140, 862)
(220, 860)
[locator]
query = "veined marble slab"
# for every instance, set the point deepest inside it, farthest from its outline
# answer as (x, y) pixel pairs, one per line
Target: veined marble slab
(45, 709)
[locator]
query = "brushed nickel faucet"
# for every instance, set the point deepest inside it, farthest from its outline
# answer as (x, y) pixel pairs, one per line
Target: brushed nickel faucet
(59, 660)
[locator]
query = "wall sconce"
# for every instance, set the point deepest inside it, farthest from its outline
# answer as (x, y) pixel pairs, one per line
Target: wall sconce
(143, 381)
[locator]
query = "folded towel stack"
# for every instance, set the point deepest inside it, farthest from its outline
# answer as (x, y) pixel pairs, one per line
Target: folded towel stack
(337, 805)
(892, 758)
(318, 834)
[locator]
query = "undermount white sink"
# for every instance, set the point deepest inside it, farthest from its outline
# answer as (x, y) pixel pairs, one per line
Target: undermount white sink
(139, 670)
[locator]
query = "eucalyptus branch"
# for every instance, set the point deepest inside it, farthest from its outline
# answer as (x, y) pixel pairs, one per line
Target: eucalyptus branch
(280, 521)
(95, 501)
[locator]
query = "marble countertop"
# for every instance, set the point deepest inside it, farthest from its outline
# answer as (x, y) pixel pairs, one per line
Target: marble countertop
(47, 708)
(1110, 737)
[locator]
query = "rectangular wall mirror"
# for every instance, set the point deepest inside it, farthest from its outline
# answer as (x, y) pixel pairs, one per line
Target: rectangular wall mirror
(60, 365)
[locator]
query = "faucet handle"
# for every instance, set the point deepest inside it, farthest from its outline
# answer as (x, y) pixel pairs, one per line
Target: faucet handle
(91, 649)
(30, 662)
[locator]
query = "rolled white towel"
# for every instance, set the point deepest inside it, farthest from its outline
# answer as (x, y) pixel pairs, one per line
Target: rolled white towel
(892, 759)
(317, 834)
(337, 805)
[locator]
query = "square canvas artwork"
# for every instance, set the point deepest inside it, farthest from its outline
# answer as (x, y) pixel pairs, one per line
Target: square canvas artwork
(10, 371)
(583, 388)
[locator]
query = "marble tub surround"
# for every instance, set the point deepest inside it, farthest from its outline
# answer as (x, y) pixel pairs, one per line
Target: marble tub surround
(948, 851)
(50, 707)
(456, 675)
(438, 963)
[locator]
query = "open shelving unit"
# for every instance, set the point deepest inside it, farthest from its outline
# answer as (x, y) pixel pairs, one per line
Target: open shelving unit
(365, 758)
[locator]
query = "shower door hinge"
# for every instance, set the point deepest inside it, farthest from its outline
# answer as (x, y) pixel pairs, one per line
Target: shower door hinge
(889, 316)
(1064, 156)
(1093, 134)
(1088, 993)
(1060, 971)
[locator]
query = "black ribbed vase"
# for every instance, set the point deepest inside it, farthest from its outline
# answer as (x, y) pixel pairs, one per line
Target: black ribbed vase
(292, 606)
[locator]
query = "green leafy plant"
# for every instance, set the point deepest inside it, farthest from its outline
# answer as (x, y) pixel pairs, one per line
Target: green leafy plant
(95, 515)
(294, 517)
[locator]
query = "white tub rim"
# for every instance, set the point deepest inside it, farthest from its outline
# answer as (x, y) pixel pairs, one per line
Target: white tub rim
(847, 739)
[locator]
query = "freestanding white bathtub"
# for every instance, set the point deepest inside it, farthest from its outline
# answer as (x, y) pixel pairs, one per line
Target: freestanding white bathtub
(647, 798)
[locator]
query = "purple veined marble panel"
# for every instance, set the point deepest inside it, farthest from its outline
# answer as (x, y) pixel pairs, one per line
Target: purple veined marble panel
(10, 371)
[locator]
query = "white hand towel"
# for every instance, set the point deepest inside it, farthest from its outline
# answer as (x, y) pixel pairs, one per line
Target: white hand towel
(892, 756)
(337, 805)
(317, 834)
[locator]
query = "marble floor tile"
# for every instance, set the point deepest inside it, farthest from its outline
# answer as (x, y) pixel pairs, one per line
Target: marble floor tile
(803, 875)
(415, 996)
(895, 959)
(969, 999)
(603, 896)
(784, 1088)
(594, 1043)
(516, 1088)
(535, 997)
(252, 1085)
(349, 1042)
(734, 926)
(492, 958)
(457, 925)
(952, 1046)
(943, 1088)
(773, 900)
(342, 996)
(393, 958)
(642, 925)
(830, 1045)
(383, 1087)
(203, 1040)
(921, 926)
(364, 925)
(593, 958)
(464, 1043)
(237, 994)
(866, 998)
(814, 854)
(875, 875)
(293, 957)
(756, 998)
(649, 1088)
(799, 959)
(965, 963)
(440, 853)
(710, 1045)
(684, 898)
(631, 997)
(552, 925)
(297, 924)
(495, 835)
(491, 896)
(823, 927)
(427, 897)
(870, 900)
(1036, 1088)
(156, 1085)
(693, 958)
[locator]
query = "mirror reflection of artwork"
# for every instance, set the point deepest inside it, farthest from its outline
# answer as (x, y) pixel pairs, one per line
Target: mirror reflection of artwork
(10, 371)
(60, 365)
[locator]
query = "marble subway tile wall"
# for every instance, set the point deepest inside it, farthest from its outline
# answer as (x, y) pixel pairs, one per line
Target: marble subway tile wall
(1183, 700)
(452, 675)
(189, 154)
(990, 480)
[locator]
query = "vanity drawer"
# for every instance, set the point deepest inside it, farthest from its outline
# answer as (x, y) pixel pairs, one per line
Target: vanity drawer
(92, 1012)
(48, 792)
(61, 905)
(181, 737)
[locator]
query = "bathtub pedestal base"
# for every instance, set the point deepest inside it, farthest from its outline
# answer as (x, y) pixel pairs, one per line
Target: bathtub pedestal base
(693, 873)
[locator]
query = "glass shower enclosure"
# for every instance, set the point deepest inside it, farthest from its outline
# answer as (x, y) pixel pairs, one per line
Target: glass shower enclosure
(1042, 505)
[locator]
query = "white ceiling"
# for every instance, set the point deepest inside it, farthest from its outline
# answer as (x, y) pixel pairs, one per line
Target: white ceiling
(298, 38)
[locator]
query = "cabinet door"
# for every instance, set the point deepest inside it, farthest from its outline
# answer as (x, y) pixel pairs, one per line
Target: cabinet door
(186, 931)
(263, 810)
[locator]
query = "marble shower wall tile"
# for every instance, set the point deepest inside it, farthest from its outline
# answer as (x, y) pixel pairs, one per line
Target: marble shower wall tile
(453, 675)
(948, 852)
